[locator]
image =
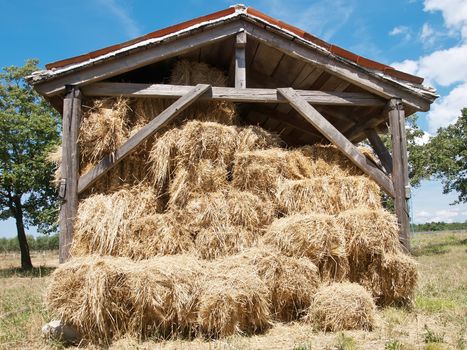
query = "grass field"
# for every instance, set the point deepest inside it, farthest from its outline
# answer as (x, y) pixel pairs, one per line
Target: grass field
(438, 319)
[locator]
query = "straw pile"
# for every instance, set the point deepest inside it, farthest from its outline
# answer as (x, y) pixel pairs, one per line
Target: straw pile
(341, 306)
(212, 228)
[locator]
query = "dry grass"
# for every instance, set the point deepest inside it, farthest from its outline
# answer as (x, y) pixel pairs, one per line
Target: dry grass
(328, 195)
(342, 306)
(315, 236)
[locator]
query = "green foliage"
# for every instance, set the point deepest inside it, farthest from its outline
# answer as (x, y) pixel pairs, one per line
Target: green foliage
(432, 337)
(302, 347)
(447, 157)
(29, 129)
(345, 342)
(440, 226)
(393, 345)
(40, 243)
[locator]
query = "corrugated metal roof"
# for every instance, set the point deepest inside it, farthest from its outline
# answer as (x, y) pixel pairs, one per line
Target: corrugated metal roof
(239, 10)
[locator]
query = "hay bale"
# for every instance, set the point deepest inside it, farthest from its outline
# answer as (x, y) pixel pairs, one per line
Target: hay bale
(54, 157)
(261, 171)
(342, 306)
(291, 281)
(228, 207)
(103, 221)
(186, 72)
(391, 278)
(328, 160)
(232, 300)
(104, 129)
(155, 235)
(369, 234)
(253, 137)
(218, 241)
(191, 183)
(87, 293)
(164, 296)
(105, 298)
(315, 236)
(329, 195)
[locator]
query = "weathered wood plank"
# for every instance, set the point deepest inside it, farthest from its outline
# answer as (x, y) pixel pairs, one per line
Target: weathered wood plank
(399, 165)
(231, 94)
(148, 130)
(69, 170)
(345, 71)
(240, 61)
(334, 135)
(152, 54)
(380, 149)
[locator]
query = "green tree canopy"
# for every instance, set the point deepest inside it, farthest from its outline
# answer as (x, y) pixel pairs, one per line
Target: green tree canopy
(446, 157)
(29, 129)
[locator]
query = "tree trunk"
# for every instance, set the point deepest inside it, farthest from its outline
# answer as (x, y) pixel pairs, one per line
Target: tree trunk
(23, 242)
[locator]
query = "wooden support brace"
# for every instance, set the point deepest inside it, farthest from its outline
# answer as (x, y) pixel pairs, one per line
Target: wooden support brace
(380, 149)
(69, 169)
(109, 161)
(335, 136)
(240, 61)
(400, 168)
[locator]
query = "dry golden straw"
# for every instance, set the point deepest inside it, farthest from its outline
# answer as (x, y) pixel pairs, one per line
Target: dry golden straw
(233, 300)
(342, 306)
(329, 195)
(315, 236)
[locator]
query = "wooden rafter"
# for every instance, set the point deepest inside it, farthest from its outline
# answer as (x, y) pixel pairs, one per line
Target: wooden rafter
(148, 130)
(334, 135)
(240, 60)
(232, 94)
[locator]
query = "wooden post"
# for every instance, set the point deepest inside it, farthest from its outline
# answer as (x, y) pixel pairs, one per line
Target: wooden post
(380, 149)
(69, 169)
(400, 168)
(240, 66)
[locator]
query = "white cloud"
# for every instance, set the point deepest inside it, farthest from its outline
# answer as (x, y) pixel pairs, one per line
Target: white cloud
(445, 67)
(446, 110)
(129, 24)
(454, 13)
(403, 31)
(446, 215)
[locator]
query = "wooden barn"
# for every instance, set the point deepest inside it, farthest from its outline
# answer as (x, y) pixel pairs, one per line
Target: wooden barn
(281, 78)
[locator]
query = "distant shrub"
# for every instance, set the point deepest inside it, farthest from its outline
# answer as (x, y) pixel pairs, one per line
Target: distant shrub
(40, 243)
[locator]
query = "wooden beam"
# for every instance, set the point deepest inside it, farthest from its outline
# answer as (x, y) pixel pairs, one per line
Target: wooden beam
(148, 130)
(334, 135)
(231, 94)
(344, 70)
(399, 165)
(240, 59)
(139, 57)
(380, 149)
(69, 170)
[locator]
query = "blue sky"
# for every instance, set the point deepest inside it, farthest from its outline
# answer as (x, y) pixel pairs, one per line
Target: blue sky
(424, 37)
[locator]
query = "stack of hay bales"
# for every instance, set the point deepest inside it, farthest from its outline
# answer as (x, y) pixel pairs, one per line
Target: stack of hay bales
(212, 228)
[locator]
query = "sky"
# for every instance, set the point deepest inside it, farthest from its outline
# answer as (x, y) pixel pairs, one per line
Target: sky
(422, 37)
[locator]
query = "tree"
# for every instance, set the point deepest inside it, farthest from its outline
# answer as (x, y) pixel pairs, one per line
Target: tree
(446, 157)
(29, 130)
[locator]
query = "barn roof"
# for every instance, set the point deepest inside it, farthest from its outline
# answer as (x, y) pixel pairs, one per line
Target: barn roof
(68, 65)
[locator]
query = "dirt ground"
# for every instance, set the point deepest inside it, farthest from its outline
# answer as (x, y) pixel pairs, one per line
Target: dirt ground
(438, 319)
